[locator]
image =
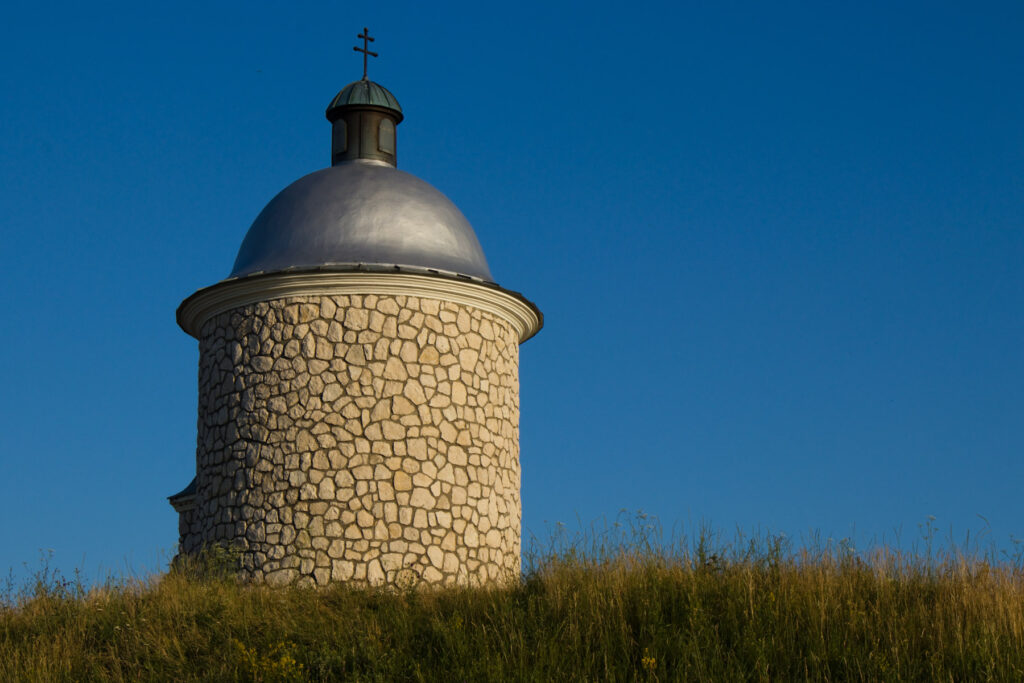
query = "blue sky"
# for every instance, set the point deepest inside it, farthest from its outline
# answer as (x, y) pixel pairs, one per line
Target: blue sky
(779, 247)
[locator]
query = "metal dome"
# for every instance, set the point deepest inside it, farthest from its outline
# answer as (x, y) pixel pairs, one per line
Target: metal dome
(361, 215)
(364, 93)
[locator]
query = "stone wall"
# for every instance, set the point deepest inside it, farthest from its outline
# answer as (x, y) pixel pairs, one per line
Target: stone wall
(360, 438)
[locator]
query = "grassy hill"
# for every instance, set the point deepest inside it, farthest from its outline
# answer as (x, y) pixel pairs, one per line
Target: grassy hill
(600, 610)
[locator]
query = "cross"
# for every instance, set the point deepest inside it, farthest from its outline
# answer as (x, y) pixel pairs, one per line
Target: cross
(365, 35)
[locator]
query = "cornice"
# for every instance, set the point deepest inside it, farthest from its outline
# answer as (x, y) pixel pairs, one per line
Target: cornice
(513, 307)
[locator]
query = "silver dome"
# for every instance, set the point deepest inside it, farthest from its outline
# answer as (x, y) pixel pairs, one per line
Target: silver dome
(361, 214)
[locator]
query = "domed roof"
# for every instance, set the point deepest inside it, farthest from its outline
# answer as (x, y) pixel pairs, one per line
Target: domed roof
(361, 214)
(362, 93)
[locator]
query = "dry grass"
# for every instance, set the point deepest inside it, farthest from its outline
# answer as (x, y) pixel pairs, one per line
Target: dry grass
(600, 607)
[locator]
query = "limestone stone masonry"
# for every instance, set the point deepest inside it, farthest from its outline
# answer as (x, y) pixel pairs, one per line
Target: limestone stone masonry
(359, 438)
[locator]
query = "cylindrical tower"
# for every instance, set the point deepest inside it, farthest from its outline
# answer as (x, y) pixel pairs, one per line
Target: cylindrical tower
(358, 381)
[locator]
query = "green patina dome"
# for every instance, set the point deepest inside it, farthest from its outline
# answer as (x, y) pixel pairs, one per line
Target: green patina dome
(363, 93)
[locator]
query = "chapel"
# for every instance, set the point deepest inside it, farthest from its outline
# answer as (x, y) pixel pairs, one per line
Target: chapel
(358, 411)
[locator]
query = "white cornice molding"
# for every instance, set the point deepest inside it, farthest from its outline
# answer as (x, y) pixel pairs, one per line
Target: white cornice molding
(224, 296)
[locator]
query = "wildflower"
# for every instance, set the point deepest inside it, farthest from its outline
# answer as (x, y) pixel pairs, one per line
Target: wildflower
(648, 662)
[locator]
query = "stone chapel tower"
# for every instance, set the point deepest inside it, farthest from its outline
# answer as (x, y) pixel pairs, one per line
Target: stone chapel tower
(358, 380)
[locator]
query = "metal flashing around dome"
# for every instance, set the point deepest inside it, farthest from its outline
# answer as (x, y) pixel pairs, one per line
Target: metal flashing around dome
(362, 215)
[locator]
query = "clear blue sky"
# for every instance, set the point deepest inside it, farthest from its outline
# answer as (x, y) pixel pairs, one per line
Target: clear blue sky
(779, 247)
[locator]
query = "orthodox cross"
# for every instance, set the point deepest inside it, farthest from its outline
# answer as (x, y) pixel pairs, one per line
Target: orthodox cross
(365, 35)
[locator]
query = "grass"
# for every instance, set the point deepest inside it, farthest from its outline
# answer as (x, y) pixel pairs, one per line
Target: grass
(617, 605)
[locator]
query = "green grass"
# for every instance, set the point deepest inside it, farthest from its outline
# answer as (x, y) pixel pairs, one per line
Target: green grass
(587, 609)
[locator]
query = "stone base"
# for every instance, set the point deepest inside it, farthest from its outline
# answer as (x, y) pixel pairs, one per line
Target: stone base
(359, 438)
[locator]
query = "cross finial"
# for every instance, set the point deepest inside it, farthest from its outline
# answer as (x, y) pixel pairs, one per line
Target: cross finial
(365, 36)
